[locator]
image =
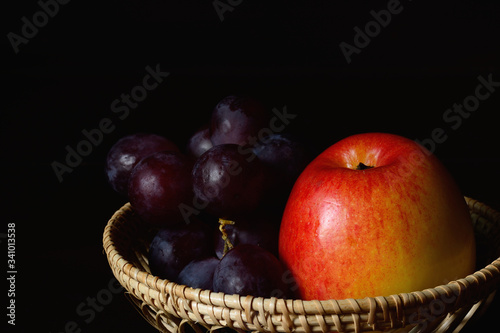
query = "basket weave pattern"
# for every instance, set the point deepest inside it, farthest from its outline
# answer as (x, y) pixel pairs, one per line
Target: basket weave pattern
(171, 307)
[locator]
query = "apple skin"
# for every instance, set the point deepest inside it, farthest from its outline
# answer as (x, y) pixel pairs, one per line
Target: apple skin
(398, 227)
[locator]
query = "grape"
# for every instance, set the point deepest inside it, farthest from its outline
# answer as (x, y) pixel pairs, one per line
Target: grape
(250, 270)
(199, 142)
(173, 248)
(127, 152)
(226, 182)
(284, 158)
(199, 273)
(259, 229)
(236, 118)
(158, 185)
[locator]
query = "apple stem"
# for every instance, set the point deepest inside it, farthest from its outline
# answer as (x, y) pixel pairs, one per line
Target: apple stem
(362, 166)
(227, 243)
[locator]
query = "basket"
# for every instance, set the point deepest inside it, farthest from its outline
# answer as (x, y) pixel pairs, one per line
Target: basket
(171, 307)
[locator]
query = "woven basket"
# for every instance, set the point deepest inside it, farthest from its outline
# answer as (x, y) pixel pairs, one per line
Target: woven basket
(171, 307)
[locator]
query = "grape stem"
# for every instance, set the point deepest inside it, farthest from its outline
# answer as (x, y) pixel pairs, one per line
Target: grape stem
(227, 243)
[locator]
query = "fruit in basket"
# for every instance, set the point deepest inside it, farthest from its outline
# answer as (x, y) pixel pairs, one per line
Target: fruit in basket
(158, 185)
(199, 273)
(175, 247)
(248, 269)
(226, 182)
(235, 119)
(127, 152)
(373, 215)
(199, 142)
(286, 155)
(259, 228)
(285, 158)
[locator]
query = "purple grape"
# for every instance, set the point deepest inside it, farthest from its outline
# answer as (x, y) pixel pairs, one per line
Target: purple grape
(258, 229)
(226, 182)
(250, 270)
(236, 118)
(175, 247)
(199, 273)
(158, 185)
(127, 152)
(284, 158)
(199, 142)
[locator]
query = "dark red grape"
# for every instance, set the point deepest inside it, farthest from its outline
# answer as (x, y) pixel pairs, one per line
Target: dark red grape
(258, 228)
(236, 118)
(127, 152)
(158, 185)
(199, 273)
(284, 155)
(199, 142)
(250, 270)
(284, 158)
(173, 248)
(226, 182)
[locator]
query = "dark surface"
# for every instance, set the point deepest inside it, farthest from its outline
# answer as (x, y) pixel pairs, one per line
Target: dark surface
(67, 77)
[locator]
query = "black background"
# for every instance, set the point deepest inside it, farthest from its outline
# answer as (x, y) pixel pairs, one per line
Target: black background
(285, 53)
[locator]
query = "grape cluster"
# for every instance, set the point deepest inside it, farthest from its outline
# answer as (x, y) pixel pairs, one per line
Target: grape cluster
(230, 177)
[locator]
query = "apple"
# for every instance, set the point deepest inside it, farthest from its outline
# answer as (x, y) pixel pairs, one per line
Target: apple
(375, 214)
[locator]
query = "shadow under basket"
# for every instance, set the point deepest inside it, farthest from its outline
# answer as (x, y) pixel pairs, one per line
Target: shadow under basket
(171, 307)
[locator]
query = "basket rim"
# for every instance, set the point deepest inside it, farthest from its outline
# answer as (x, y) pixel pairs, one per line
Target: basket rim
(485, 281)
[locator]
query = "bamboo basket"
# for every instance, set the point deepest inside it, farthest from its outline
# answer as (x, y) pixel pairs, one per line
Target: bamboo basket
(171, 307)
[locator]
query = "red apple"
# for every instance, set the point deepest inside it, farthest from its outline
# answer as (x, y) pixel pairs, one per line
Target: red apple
(374, 215)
